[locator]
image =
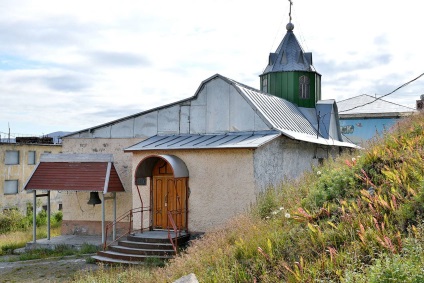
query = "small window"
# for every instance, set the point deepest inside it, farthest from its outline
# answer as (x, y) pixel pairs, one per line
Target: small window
(12, 157)
(60, 206)
(10, 187)
(264, 84)
(304, 87)
(284, 60)
(31, 157)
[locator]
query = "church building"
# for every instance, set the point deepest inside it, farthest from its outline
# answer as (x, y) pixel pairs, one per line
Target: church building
(197, 162)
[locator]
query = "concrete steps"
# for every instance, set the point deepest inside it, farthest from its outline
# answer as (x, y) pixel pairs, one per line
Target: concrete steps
(137, 248)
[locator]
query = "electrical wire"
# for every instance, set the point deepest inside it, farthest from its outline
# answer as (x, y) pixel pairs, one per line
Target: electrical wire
(405, 84)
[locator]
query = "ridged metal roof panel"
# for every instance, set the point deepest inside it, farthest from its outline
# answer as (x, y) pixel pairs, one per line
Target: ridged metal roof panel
(227, 140)
(366, 104)
(286, 117)
(282, 114)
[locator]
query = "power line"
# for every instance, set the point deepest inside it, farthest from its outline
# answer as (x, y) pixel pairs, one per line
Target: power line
(405, 84)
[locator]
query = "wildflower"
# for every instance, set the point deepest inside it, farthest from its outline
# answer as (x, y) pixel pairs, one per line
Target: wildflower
(287, 215)
(353, 159)
(274, 212)
(318, 173)
(267, 217)
(281, 208)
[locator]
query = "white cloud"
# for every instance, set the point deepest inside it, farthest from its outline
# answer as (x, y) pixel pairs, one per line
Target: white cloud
(68, 65)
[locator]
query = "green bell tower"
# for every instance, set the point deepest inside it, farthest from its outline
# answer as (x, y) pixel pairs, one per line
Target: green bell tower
(290, 73)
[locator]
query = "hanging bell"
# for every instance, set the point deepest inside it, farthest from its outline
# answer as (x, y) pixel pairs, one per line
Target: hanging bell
(94, 198)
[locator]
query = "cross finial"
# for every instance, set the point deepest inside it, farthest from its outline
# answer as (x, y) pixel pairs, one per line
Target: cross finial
(291, 4)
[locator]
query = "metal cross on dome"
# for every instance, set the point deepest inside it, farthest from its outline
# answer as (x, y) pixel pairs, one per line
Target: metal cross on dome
(291, 4)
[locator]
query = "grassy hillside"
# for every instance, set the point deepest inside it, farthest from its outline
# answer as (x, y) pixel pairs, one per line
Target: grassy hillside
(358, 218)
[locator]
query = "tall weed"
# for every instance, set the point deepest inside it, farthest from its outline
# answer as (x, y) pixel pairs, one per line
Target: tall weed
(354, 219)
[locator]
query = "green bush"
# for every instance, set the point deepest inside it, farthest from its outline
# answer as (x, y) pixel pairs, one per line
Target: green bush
(41, 218)
(11, 220)
(58, 216)
(392, 268)
(267, 203)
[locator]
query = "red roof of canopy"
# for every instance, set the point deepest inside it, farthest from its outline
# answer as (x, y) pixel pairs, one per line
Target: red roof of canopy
(74, 175)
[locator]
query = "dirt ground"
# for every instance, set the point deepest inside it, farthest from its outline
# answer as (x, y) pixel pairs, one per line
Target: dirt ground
(44, 270)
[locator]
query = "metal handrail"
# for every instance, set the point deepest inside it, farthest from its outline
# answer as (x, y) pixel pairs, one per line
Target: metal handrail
(174, 227)
(130, 214)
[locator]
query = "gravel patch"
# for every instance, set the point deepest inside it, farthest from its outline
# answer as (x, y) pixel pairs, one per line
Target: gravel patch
(60, 269)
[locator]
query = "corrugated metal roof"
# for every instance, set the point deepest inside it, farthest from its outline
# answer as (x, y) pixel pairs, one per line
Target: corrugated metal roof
(355, 105)
(286, 117)
(79, 173)
(282, 114)
(227, 140)
(277, 113)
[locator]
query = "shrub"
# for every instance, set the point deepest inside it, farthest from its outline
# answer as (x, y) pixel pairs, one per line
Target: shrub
(58, 216)
(11, 220)
(267, 202)
(405, 268)
(41, 218)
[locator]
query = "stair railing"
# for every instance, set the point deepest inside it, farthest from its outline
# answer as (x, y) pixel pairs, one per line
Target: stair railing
(130, 216)
(176, 232)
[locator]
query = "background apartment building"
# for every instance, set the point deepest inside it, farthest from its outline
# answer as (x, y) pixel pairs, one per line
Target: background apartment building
(18, 159)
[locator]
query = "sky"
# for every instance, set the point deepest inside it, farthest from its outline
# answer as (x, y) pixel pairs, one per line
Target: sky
(70, 65)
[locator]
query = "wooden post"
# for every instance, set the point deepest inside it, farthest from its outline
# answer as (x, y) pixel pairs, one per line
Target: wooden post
(34, 217)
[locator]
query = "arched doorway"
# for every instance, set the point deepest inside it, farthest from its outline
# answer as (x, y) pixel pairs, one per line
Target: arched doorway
(168, 190)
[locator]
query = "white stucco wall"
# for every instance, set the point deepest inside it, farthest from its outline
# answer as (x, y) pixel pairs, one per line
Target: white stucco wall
(282, 159)
(221, 184)
(144, 207)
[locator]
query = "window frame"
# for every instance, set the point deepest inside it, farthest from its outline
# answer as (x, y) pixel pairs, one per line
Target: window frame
(7, 159)
(34, 153)
(304, 84)
(265, 84)
(17, 187)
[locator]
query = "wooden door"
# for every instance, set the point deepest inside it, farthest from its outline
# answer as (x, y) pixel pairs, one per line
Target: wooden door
(169, 194)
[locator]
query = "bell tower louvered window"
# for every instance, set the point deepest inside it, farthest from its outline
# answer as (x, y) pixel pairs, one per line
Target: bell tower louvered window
(304, 87)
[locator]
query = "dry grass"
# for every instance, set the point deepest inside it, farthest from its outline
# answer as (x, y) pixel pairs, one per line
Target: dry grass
(18, 239)
(358, 218)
